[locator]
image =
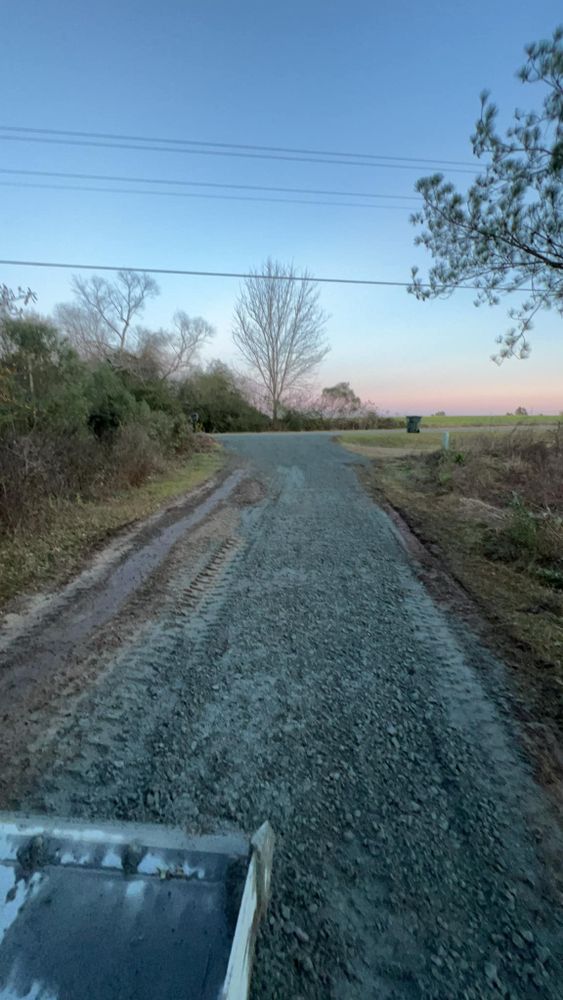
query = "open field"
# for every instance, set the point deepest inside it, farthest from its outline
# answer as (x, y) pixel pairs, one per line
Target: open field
(504, 420)
(75, 528)
(392, 439)
(398, 442)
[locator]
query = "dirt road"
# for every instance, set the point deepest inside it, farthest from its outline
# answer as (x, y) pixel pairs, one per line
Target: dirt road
(285, 662)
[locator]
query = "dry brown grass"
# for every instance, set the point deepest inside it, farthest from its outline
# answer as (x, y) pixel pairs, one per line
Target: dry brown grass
(492, 515)
(41, 472)
(520, 476)
(494, 467)
(73, 527)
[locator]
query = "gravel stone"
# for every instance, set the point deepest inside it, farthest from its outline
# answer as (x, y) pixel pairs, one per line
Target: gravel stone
(491, 972)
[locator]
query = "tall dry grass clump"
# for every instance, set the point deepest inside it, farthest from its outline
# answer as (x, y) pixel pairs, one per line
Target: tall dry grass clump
(525, 462)
(520, 475)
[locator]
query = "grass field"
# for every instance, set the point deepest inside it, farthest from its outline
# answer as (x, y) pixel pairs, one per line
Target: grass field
(77, 528)
(392, 439)
(508, 420)
(395, 441)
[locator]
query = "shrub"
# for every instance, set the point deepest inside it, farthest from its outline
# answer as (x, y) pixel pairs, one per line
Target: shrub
(41, 378)
(40, 469)
(110, 404)
(171, 434)
(134, 456)
(219, 403)
(550, 577)
(71, 430)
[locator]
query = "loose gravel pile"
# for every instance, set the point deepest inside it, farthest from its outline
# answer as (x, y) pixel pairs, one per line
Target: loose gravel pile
(293, 668)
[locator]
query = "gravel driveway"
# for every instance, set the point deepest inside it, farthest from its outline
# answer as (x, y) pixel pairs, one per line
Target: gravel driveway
(286, 663)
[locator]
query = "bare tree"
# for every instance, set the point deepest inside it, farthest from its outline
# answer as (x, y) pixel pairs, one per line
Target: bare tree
(100, 320)
(174, 352)
(278, 328)
(84, 329)
(13, 302)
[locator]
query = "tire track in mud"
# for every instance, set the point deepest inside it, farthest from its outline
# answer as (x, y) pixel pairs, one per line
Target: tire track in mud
(108, 750)
(198, 589)
(44, 671)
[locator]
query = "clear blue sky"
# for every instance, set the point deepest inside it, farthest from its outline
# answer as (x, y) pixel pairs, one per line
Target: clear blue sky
(399, 78)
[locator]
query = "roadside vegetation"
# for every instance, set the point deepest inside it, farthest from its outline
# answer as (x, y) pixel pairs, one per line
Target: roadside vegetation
(491, 510)
(95, 437)
(55, 548)
(85, 448)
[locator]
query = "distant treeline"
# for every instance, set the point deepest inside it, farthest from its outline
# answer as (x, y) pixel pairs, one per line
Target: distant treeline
(313, 419)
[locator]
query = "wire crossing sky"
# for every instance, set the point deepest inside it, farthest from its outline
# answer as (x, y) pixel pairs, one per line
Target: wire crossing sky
(212, 136)
(224, 145)
(245, 152)
(213, 184)
(240, 275)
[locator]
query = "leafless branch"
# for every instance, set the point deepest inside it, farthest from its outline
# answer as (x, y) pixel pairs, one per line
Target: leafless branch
(278, 329)
(100, 319)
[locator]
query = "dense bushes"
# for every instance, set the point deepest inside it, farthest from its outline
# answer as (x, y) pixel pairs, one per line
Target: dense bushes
(219, 403)
(528, 537)
(72, 430)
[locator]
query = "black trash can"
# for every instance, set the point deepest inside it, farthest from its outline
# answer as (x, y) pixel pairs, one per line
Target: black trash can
(413, 425)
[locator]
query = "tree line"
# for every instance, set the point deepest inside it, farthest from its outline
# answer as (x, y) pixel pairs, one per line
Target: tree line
(92, 401)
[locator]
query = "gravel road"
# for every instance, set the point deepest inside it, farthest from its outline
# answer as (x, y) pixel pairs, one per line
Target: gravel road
(285, 662)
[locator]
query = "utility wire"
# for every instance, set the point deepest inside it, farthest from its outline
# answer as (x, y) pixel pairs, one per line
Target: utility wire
(218, 152)
(192, 194)
(231, 274)
(230, 145)
(200, 184)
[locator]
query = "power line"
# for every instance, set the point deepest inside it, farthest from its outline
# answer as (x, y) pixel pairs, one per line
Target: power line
(219, 152)
(191, 194)
(231, 145)
(195, 274)
(230, 274)
(200, 184)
